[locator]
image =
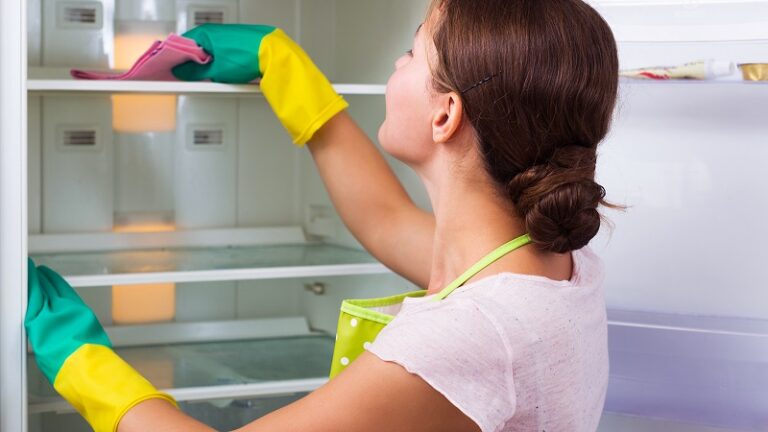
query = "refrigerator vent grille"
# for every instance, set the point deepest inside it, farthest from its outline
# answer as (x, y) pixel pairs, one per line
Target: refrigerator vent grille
(80, 15)
(80, 138)
(206, 137)
(208, 16)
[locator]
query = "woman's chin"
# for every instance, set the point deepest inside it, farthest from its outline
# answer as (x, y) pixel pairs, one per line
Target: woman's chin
(385, 141)
(403, 147)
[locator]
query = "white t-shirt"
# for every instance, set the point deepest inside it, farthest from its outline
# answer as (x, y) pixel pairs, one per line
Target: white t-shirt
(513, 352)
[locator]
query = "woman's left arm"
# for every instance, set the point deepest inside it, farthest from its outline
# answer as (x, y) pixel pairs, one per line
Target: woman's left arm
(371, 395)
(74, 353)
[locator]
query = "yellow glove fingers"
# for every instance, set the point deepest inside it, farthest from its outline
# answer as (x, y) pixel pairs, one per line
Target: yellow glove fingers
(301, 96)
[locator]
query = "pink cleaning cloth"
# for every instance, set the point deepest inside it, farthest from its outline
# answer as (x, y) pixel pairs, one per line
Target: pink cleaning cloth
(156, 63)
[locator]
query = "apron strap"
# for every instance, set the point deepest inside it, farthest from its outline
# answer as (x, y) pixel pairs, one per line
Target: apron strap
(483, 263)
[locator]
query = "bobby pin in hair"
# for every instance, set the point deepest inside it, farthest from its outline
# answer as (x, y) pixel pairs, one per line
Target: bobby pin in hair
(481, 82)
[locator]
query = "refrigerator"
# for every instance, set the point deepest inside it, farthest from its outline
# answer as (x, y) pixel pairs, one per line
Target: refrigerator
(207, 246)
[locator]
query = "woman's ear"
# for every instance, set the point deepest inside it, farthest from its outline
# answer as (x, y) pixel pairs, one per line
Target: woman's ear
(447, 117)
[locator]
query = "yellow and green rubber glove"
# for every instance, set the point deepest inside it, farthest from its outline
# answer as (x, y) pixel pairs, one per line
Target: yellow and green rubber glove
(300, 95)
(75, 354)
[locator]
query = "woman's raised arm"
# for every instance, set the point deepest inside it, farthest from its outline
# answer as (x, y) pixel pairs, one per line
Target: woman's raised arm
(371, 201)
(363, 188)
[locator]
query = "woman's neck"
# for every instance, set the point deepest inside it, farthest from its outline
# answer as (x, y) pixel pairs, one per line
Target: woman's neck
(471, 220)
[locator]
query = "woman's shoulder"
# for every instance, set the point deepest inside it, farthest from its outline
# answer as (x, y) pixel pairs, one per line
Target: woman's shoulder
(588, 272)
(519, 304)
(512, 305)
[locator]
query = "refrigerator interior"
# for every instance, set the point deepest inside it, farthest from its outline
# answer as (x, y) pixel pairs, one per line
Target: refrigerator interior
(207, 245)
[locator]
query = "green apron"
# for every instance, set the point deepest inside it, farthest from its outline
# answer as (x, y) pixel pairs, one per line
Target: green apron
(360, 321)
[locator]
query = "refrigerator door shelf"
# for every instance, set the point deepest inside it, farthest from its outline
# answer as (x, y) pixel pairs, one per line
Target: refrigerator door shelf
(691, 369)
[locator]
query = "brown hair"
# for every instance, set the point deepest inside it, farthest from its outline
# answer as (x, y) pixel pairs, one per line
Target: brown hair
(539, 81)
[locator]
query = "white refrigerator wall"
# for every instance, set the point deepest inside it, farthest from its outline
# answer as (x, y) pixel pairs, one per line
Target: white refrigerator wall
(687, 160)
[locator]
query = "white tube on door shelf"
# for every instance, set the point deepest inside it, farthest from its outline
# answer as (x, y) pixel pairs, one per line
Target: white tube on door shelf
(206, 158)
(78, 164)
(78, 33)
(701, 70)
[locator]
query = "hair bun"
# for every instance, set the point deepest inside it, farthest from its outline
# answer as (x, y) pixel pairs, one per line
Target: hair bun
(558, 200)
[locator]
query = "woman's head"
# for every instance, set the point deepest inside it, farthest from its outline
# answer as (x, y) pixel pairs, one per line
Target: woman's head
(537, 81)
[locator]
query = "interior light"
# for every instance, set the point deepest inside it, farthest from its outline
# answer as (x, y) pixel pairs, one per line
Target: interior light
(148, 228)
(148, 303)
(140, 304)
(140, 113)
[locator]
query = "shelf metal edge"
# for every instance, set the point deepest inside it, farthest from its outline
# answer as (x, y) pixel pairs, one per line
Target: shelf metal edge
(237, 391)
(213, 331)
(226, 275)
(68, 85)
(155, 87)
(273, 388)
(674, 328)
(110, 241)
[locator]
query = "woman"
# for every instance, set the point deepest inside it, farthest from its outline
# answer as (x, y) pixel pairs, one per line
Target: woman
(499, 107)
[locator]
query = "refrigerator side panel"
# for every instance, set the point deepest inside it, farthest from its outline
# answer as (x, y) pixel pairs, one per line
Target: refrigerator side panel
(13, 215)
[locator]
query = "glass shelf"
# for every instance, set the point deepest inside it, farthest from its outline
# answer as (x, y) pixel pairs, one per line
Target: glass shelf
(67, 85)
(59, 80)
(220, 414)
(46, 82)
(626, 423)
(661, 367)
(82, 269)
(160, 87)
(227, 415)
(215, 370)
(166, 87)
